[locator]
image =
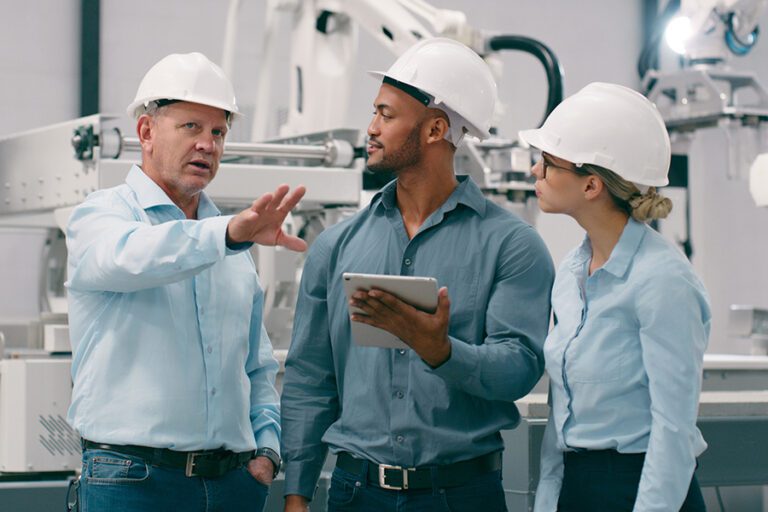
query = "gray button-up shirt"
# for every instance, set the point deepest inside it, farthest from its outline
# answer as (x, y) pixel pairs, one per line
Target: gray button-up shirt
(387, 405)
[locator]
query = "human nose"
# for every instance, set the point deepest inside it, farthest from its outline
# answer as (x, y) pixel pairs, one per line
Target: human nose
(538, 170)
(206, 142)
(373, 126)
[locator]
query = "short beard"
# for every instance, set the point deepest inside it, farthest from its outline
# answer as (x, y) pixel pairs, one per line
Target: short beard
(408, 155)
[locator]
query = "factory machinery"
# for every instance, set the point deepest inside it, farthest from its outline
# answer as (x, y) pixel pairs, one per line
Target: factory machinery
(39, 452)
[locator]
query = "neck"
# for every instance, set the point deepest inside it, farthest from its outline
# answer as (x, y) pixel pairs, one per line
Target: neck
(421, 191)
(189, 207)
(604, 228)
(186, 203)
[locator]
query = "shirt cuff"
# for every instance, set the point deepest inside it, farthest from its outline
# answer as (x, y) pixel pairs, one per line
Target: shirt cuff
(268, 438)
(547, 496)
(234, 248)
(462, 363)
(300, 479)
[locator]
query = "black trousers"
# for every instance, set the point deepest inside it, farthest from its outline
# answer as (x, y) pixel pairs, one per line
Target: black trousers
(607, 481)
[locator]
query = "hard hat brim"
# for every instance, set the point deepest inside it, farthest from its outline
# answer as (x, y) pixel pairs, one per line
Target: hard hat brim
(131, 109)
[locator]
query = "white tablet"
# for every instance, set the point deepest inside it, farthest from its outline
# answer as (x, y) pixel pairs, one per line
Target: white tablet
(420, 292)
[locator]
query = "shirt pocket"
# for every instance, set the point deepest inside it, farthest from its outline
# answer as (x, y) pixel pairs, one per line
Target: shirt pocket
(600, 352)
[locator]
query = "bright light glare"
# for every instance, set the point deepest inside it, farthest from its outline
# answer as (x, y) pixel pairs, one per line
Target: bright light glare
(677, 33)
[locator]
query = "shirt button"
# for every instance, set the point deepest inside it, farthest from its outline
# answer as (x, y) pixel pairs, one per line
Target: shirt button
(213, 391)
(400, 394)
(401, 351)
(407, 262)
(400, 439)
(202, 311)
(210, 349)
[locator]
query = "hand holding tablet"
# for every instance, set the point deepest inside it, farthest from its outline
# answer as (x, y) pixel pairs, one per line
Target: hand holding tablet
(420, 292)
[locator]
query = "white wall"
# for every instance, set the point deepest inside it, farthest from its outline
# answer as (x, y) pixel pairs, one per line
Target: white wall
(594, 39)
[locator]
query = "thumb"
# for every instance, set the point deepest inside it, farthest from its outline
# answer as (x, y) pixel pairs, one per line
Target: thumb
(443, 302)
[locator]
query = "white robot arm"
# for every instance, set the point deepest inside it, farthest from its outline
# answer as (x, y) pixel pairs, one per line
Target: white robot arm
(713, 30)
(323, 39)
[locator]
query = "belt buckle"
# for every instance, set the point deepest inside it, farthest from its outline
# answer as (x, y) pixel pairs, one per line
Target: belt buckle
(383, 477)
(189, 470)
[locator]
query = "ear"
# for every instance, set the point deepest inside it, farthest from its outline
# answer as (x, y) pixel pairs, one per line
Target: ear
(438, 128)
(146, 132)
(593, 187)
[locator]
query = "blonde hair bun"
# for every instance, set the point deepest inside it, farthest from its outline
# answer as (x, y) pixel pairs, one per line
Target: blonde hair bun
(650, 206)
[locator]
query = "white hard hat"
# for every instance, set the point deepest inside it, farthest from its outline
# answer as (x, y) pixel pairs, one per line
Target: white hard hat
(611, 126)
(185, 77)
(455, 77)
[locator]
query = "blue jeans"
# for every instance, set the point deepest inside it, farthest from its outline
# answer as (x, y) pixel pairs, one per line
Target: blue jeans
(352, 493)
(115, 482)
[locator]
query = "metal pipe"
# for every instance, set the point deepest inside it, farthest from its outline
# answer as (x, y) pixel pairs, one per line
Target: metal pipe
(334, 152)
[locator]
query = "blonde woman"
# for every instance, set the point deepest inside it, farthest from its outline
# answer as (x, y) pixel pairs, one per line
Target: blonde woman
(632, 319)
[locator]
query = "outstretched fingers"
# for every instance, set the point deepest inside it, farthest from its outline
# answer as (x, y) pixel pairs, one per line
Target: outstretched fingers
(292, 199)
(291, 242)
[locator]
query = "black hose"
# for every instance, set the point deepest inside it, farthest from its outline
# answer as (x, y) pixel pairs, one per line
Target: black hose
(545, 55)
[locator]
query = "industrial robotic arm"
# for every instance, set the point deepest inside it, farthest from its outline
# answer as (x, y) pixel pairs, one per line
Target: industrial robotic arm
(706, 92)
(324, 50)
(711, 31)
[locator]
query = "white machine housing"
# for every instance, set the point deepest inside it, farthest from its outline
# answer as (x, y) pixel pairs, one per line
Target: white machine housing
(34, 434)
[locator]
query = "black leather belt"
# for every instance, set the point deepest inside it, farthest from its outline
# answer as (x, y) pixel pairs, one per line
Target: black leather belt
(399, 478)
(204, 463)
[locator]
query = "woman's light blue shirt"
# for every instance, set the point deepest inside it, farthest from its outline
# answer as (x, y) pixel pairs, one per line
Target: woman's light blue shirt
(625, 365)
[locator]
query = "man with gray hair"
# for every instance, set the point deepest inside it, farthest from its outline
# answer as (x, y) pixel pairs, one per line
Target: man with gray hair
(173, 372)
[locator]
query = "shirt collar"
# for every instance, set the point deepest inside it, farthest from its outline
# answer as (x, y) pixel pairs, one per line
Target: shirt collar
(466, 193)
(625, 249)
(149, 194)
(622, 253)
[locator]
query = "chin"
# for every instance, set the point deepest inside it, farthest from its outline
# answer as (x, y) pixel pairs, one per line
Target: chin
(547, 208)
(378, 168)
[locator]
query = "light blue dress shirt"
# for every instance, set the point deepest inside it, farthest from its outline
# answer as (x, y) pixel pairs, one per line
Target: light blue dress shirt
(625, 365)
(168, 344)
(387, 405)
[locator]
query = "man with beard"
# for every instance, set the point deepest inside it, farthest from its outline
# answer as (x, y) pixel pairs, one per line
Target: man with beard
(173, 371)
(418, 428)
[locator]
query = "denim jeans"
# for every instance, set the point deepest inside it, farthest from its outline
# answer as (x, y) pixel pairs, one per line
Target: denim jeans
(115, 482)
(352, 493)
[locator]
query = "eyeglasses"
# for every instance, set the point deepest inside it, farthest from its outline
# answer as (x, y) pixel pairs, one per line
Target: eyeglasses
(546, 164)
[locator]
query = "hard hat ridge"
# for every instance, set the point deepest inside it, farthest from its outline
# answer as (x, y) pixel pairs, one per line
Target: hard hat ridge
(611, 126)
(188, 77)
(456, 80)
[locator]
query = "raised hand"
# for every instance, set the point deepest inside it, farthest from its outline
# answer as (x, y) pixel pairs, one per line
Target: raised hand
(262, 223)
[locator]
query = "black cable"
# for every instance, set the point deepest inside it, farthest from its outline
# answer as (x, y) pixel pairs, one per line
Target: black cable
(547, 58)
